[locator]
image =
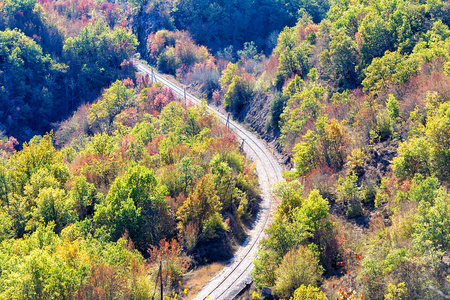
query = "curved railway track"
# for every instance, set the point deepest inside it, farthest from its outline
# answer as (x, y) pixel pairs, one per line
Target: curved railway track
(236, 275)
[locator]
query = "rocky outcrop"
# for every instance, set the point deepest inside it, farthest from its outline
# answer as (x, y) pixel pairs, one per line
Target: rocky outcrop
(378, 163)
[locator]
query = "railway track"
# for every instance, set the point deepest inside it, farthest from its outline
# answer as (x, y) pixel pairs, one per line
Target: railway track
(236, 275)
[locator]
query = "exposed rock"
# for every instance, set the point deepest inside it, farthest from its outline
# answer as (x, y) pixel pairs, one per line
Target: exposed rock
(378, 163)
(255, 115)
(266, 293)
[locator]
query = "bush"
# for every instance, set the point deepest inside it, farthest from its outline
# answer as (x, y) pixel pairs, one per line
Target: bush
(299, 267)
(413, 157)
(166, 62)
(383, 130)
(309, 293)
(354, 209)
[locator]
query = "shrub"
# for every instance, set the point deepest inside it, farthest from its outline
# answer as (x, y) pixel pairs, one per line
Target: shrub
(309, 293)
(299, 267)
(396, 292)
(413, 157)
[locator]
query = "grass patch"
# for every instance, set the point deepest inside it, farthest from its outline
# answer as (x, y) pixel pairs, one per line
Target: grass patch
(197, 279)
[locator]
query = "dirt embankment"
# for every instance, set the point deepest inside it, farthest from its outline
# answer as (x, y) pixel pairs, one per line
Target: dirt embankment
(254, 116)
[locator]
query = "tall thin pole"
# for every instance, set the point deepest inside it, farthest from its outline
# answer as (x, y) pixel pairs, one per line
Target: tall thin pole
(160, 277)
(231, 191)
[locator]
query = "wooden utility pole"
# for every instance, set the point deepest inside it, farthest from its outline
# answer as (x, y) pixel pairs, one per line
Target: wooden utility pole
(231, 191)
(160, 277)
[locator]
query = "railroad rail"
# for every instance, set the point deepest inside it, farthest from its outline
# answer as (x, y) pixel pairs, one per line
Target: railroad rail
(236, 275)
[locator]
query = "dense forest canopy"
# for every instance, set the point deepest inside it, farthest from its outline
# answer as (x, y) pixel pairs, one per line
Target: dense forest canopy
(136, 170)
(226, 25)
(219, 24)
(361, 104)
(55, 56)
(90, 43)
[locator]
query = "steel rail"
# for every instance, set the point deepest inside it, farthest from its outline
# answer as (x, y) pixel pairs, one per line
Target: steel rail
(251, 144)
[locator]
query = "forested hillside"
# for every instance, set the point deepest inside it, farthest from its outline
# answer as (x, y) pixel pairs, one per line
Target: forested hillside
(55, 56)
(353, 94)
(154, 176)
(361, 102)
(226, 25)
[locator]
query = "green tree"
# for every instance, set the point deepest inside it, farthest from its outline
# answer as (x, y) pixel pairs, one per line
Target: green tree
(413, 157)
(391, 68)
(348, 191)
(188, 173)
(296, 85)
(293, 61)
(115, 99)
(291, 194)
(82, 196)
(249, 52)
(429, 153)
(144, 131)
(6, 226)
(424, 189)
(42, 178)
(376, 37)
(306, 154)
(135, 203)
(201, 206)
(265, 265)
(393, 108)
(171, 118)
(302, 108)
(291, 228)
(326, 147)
(432, 226)
(166, 148)
(227, 76)
(339, 61)
(6, 185)
(36, 154)
(223, 182)
(13, 6)
(52, 206)
(438, 134)
(309, 217)
(276, 109)
(238, 94)
(96, 54)
(167, 61)
(30, 84)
